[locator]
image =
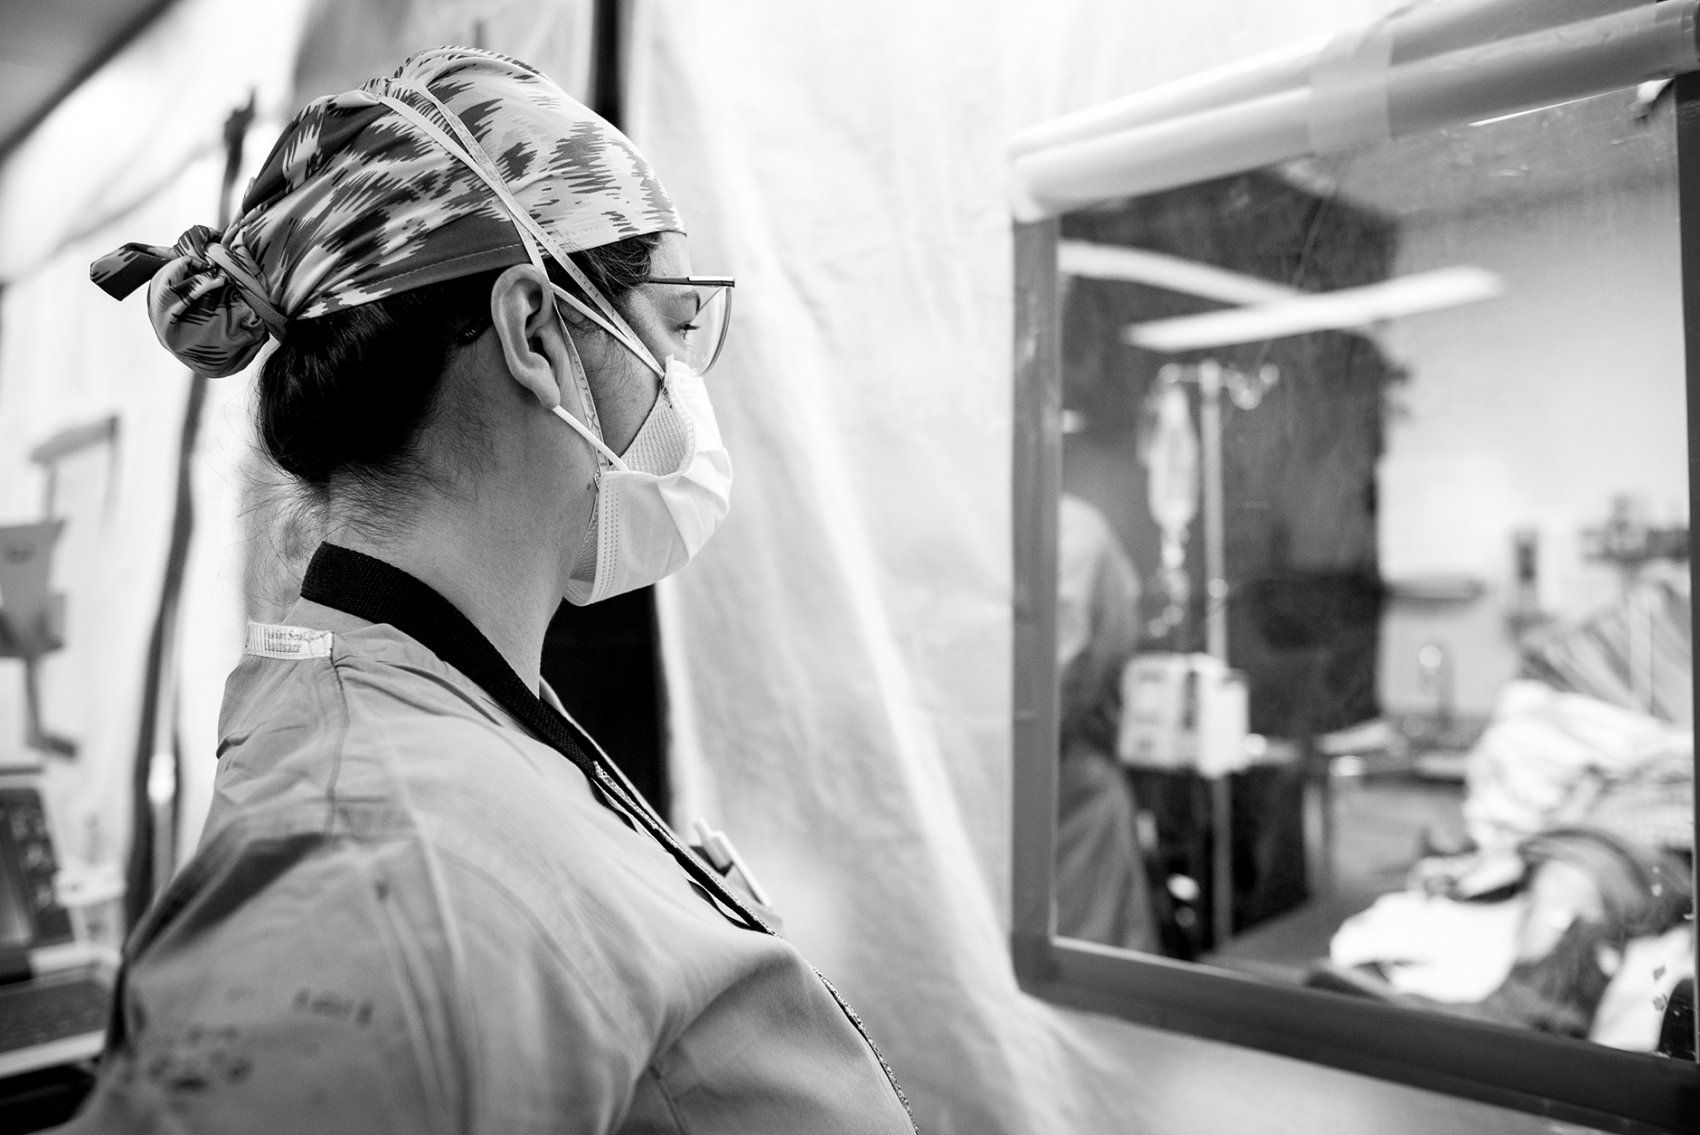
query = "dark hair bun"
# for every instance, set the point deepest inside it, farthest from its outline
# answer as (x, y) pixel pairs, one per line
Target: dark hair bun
(350, 390)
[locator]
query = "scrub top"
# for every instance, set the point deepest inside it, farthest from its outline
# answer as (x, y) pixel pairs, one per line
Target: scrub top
(410, 913)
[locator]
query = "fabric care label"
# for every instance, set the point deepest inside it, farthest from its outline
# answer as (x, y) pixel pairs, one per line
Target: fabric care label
(274, 641)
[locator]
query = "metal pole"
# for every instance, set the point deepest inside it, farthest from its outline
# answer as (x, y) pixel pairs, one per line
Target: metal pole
(1037, 489)
(1216, 637)
(1688, 216)
(1215, 559)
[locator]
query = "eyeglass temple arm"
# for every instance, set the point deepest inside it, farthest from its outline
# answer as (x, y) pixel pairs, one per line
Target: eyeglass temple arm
(699, 281)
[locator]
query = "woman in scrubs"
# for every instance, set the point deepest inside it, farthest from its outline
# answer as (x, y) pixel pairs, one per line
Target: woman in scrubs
(425, 900)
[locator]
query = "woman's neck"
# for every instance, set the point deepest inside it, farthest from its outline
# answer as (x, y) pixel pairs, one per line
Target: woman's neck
(488, 567)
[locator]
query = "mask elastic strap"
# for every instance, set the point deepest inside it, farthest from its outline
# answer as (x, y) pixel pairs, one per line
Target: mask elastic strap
(469, 154)
(584, 431)
(531, 236)
(590, 430)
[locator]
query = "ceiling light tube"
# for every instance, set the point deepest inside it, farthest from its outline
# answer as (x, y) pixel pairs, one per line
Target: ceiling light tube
(1159, 270)
(1324, 311)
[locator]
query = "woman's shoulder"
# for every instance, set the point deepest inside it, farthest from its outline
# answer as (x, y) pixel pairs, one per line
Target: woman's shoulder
(371, 730)
(355, 710)
(377, 741)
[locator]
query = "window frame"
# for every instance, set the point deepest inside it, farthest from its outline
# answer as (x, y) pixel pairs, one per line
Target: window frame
(1493, 1064)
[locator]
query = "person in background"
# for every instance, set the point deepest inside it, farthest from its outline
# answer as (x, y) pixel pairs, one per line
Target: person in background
(1102, 891)
(425, 900)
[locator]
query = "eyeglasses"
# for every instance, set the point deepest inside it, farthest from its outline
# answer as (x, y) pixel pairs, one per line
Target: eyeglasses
(707, 331)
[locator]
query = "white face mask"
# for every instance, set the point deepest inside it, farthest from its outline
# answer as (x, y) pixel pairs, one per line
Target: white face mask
(658, 502)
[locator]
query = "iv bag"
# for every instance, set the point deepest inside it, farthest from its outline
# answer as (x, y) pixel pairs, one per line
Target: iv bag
(1171, 457)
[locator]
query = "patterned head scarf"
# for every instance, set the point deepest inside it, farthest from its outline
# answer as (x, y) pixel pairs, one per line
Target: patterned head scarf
(361, 199)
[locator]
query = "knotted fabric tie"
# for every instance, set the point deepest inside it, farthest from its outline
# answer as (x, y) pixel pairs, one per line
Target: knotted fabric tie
(208, 307)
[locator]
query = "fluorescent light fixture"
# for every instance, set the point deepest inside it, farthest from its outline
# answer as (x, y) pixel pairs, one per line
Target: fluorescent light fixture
(1326, 311)
(1266, 111)
(1158, 270)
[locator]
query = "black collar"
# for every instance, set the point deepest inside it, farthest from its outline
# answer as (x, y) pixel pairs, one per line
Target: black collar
(371, 589)
(378, 592)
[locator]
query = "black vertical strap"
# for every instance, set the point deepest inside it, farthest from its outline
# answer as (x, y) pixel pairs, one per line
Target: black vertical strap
(607, 62)
(139, 876)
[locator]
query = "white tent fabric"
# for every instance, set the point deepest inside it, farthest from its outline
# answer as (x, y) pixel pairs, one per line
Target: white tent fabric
(53, 374)
(68, 356)
(135, 153)
(346, 43)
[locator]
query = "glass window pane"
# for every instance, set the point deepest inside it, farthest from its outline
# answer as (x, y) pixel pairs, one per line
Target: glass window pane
(1374, 632)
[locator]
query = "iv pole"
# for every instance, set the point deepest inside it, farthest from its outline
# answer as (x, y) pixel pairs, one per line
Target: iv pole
(1246, 390)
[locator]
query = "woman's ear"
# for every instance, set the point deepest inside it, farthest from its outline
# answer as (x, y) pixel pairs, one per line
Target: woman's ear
(522, 310)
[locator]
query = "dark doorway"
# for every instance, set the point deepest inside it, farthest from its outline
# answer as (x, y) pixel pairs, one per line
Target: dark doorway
(604, 661)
